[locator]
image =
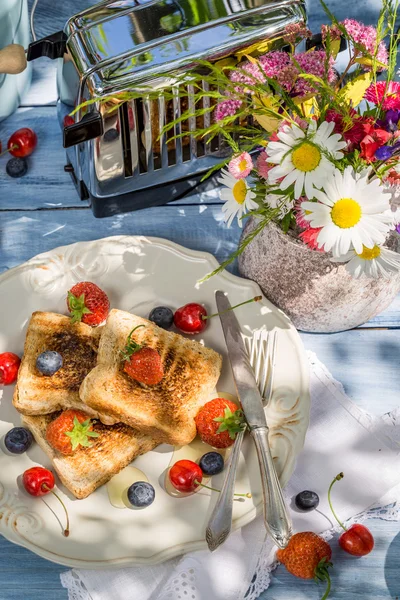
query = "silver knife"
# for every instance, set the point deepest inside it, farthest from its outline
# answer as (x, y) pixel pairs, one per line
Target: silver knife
(276, 515)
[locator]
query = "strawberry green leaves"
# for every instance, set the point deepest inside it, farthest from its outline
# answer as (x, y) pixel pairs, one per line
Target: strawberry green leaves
(77, 307)
(81, 433)
(131, 346)
(232, 422)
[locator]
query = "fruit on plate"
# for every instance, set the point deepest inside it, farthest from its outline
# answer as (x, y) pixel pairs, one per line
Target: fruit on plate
(9, 365)
(218, 422)
(39, 481)
(142, 363)
(162, 316)
(186, 476)
(22, 142)
(16, 167)
(71, 429)
(141, 494)
(357, 539)
(307, 556)
(18, 440)
(68, 121)
(49, 362)
(306, 500)
(190, 318)
(88, 303)
(211, 463)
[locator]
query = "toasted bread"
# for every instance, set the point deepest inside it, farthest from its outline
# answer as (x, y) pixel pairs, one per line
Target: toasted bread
(165, 410)
(77, 343)
(88, 468)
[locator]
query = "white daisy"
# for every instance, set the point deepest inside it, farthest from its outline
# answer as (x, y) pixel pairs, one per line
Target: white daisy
(285, 203)
(238, 197)
(351, 212)
(301, 157)
(373, 262)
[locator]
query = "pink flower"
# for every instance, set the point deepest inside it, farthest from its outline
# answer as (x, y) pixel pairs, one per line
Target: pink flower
(365, 35)
(312, 63)
(254, 74)
(310, 238)
(241, 165)
(387, 94)
(262, 166)
(226, 108)
(273, 62)
(296, 31)
(300, 214)
(353, 134)
(334, 32)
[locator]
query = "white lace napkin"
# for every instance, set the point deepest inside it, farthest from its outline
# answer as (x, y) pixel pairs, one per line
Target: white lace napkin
(341, 437)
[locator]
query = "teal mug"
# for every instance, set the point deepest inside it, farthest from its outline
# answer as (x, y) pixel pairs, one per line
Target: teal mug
(14, 29)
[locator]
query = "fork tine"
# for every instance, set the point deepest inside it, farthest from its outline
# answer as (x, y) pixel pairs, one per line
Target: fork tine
(271, 361)
(265, 351)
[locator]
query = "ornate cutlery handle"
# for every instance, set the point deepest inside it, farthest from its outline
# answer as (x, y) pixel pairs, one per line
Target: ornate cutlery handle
(276, 515)
(220, 522)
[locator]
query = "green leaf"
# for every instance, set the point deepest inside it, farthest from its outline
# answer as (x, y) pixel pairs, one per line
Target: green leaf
(80, 434)
(131, 346)
(353, 92)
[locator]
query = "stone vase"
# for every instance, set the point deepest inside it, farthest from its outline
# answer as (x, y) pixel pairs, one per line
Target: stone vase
(319, 296)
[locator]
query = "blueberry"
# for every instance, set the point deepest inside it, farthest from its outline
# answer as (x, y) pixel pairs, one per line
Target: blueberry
(141, 494)
(111, 135)
(18, 440)
(211, 463)
(307, 500)
(16, 167)
(49, 362)
(162, 316)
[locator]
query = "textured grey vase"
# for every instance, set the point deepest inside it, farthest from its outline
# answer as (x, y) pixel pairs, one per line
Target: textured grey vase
(316, 294)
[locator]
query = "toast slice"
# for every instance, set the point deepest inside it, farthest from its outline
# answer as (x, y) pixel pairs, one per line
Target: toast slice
(88, 468)
(166, 410)
(77, 343)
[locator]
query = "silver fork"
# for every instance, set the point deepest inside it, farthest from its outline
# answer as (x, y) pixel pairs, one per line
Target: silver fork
(261, 349)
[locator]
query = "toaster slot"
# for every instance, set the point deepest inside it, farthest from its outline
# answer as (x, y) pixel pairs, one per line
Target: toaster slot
(148, 134)
(126, 140)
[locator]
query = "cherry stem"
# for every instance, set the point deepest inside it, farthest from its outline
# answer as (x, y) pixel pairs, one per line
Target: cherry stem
(66, 530)
(256, 299)
(13, 147)
(248, 495)
(337, 478)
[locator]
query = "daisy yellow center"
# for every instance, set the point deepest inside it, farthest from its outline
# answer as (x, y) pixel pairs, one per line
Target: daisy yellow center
(370, 253)
(243, 165)
(306, 157)
(239, 191)
(346, 213)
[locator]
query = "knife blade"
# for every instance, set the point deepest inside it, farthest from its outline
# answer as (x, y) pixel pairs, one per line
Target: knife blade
(276, 515)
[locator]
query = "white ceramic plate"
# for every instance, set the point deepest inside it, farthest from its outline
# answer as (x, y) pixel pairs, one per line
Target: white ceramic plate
(139, 273)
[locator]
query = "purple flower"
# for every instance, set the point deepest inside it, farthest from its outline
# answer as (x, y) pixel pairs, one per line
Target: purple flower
(391, 120)
(398, 228)
(384, 152)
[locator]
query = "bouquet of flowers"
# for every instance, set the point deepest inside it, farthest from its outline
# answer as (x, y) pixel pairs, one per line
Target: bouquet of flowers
(315, 151)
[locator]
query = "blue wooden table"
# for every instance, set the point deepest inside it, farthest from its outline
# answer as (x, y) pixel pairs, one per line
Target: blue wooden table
(42, 211)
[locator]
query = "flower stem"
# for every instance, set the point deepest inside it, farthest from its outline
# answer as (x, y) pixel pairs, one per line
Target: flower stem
(255, 299)
(337, 478)
(66, 530)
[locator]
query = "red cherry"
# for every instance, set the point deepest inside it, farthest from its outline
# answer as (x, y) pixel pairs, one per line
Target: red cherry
(68, 120)
(185, 475)
(22, 142)
(189, 318)
(38, 481)
(9, 365)
(357, 540)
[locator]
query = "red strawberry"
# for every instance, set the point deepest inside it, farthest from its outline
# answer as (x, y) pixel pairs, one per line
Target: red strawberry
(88, 303)
(218, 422)
(308, 556)
(145, 366)
(71, 429)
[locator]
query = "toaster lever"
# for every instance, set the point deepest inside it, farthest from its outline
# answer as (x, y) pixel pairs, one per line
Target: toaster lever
(89, 127)
(53, 46)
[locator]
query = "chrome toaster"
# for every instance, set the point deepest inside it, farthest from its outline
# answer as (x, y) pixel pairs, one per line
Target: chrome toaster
(117, 158)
